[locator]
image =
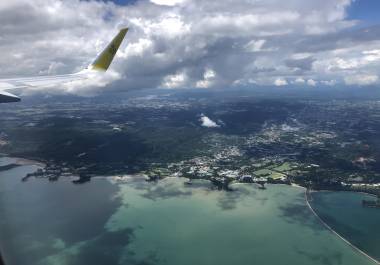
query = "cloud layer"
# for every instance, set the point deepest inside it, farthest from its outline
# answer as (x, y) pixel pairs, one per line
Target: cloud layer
(191, 43)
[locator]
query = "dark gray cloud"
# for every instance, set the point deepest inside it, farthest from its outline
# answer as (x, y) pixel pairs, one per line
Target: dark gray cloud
(301, 64)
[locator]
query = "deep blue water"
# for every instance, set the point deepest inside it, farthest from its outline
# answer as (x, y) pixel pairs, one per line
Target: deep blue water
(343, 211)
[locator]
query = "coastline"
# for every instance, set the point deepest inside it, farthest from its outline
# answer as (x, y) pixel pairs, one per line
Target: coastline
(24, 161)
(21, 161)
(336, 233)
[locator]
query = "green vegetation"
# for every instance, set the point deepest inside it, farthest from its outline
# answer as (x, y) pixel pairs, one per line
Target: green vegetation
(262, 172)
(311, 143)
(284, 167)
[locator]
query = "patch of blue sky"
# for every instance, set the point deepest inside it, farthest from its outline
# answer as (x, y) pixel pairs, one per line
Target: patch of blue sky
(366, 11)
(124, 2)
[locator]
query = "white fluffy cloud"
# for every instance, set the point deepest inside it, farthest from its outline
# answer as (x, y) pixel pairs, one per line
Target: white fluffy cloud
(299, 80)
(280, 82)
(174, 81)
(167, 2)
(311, 82)
(207, 122)
(191, 43)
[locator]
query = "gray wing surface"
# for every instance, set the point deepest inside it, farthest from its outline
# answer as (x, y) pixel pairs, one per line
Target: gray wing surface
(6, 97)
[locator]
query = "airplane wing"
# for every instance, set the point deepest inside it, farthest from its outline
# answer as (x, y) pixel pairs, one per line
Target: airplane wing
(101, 63)
(6, 97)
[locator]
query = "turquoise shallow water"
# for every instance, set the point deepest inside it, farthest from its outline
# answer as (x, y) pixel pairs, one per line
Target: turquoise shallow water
(343, 211)
(136, 222)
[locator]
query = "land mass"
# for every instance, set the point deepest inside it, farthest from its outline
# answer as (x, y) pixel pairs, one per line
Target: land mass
(316, 143)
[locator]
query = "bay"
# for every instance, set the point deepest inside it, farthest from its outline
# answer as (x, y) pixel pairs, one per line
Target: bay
(133, 221)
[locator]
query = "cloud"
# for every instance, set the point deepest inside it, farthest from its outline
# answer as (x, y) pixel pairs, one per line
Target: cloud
(208, 79)
(328, 82)
(299, 80)
(361, 80)
(255, 45)
(167, 2)
(207, 122)
(280, 82)
(174, 81)
(311, 82)
(301, 64)
(181, 43)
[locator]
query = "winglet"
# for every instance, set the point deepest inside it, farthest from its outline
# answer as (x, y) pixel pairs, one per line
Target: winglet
(104, 59)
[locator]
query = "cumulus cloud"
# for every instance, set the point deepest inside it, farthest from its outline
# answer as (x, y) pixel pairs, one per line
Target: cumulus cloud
(174, 81)
(182, 43)
(328, 82)
(207, 122)
(311, 82)
(167, 2)
(280, 82)
(208, 79)
(299, 80)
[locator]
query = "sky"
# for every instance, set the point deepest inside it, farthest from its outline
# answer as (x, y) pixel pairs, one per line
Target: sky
(367, 11)
(179, 44)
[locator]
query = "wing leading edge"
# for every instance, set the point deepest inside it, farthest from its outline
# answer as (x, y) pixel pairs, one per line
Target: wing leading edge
(101, 63)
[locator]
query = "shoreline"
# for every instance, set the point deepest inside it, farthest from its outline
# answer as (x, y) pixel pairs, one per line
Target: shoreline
(355, 248)
(22, 161)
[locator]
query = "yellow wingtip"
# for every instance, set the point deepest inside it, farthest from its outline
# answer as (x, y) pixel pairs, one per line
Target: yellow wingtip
(103, 61)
